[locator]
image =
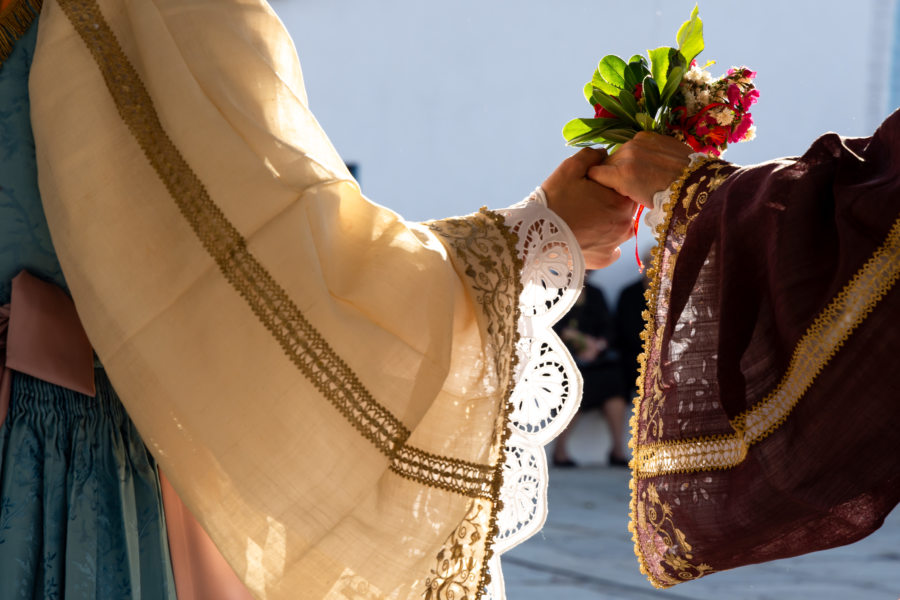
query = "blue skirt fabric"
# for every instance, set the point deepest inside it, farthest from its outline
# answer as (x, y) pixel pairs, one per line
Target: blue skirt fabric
(80, 507)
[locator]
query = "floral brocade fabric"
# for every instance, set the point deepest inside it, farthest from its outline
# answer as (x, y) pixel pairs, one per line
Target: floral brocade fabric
(769, 337)
(80, 512)
(24, 237)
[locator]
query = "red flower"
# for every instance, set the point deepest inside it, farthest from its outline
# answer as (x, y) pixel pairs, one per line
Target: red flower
(638, 91)
(718, 135)
(602, 113)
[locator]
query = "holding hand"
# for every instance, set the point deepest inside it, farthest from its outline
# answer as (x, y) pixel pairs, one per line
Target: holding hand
(647, 164)
(599, 217)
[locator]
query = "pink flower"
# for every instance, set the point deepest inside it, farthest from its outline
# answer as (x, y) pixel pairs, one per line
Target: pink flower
(740, 132)
(742, 73)
(734, 96)
(749, 99)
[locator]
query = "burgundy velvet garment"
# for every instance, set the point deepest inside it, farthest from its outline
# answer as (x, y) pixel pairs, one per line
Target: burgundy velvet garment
(767, 422)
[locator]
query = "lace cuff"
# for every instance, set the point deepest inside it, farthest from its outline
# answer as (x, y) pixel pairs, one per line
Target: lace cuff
(547, 383)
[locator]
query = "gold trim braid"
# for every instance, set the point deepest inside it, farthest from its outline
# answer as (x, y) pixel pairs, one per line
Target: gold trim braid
(15, 20)
(816, 348)
(497, 287)
(655, 516)
(300, 341)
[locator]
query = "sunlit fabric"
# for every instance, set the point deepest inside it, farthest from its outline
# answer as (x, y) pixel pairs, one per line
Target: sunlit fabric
(766, 424)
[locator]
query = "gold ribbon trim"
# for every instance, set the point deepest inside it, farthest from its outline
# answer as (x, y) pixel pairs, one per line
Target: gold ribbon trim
(301, 342)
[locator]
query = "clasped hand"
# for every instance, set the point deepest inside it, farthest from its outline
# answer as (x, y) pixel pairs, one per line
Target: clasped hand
(597, 195)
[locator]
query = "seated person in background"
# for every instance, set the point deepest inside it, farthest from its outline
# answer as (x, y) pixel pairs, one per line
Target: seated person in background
(629, 323)
(586, 331)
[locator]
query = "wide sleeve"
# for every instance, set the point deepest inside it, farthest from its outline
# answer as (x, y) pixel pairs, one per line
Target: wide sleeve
(353, 405)
(765, 423)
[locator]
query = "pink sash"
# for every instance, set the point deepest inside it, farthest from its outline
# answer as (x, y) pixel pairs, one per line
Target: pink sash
(41, 336)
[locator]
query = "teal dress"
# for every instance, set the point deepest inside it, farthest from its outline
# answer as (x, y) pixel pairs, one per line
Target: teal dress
(80, 506)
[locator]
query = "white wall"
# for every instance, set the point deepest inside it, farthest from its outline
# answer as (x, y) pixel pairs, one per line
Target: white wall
(448, 106)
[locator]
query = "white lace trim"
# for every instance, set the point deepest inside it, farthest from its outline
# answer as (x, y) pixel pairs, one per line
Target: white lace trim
(661, 199)
(547, 383)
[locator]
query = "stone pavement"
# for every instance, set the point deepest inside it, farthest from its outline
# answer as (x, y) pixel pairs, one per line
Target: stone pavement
(585, 552)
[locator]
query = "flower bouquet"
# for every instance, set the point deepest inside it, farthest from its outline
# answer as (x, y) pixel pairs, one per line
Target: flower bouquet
(669, 94)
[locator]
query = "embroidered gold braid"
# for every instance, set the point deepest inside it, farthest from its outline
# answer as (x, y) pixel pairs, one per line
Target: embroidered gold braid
(305, 347)
(461, 566)
(815, 349)
(656, 515)
(646, 511)
(655, 276)
(15, 20)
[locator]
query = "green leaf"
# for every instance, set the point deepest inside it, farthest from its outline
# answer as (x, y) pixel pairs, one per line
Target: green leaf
(587, 131)
(638, 58)
(619, 136)
(604, 86)
(634, 74)
(652, 100)
(588, 91)
(645, 121)
(612, 70)
(575, 129)
(613, 106)
(676, 59)
(690, 36)
(674, 79)
(626, 99)
(659, 64)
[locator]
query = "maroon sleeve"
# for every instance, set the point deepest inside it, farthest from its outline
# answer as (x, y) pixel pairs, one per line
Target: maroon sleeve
(766, 422)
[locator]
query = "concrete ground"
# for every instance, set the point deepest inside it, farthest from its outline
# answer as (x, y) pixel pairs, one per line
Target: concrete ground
(585, 551)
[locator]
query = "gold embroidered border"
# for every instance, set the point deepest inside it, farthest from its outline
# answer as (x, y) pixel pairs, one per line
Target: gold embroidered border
(507, 338)
(655, 275)
(465, 478)
(15, 20)
(460, 569)
(303, 345)
(816, 348)
(656, 516)
(639, 511)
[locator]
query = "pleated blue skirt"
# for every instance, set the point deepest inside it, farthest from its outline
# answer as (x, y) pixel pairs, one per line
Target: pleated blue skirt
(80, 507)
